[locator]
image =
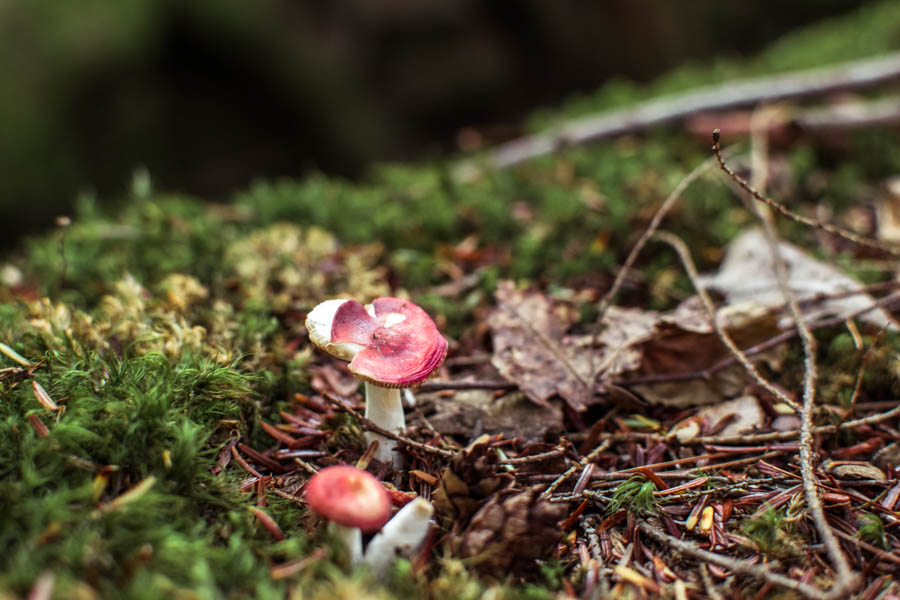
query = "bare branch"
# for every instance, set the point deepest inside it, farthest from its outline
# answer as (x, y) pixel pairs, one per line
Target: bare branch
(742, 567)
(847, 580)
(787, 213)
(729, 95)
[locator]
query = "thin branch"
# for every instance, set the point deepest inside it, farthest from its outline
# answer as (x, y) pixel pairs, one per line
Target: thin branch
(576, 467)
(728, 95)
(437, 386)
(848, 581)
(843, 117)
(787, 213)
(370, 426)
(789, 435)
(534, 458)
(742, 567)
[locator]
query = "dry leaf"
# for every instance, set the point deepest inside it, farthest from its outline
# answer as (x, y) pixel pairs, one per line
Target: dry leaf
(744, 412)
(684, 342)
(851, 469)
(527, 350)
(530, 347)
(747, 273)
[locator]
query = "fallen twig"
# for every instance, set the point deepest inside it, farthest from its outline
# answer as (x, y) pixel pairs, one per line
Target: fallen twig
(437, 386)
(728, 95)
(533, 458)
(370, 426)
(789, 435)
(848, 580)
(840, 232)
(735, 565)
(577, 466)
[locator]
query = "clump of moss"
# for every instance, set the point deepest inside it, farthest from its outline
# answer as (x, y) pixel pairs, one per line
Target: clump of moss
(636, 495)
(772, 533)
(282, 266)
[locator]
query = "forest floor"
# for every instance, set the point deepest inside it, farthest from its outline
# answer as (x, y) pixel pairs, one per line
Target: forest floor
(637, 400)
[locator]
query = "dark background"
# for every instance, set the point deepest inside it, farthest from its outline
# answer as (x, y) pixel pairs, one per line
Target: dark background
(211, 94)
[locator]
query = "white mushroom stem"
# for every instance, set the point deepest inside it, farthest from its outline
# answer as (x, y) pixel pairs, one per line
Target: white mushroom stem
(351, 538)
(402, 536)
(384, 408)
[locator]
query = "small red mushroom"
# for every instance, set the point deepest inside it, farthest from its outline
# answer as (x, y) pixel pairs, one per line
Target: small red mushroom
(353, 500)
(391, 344)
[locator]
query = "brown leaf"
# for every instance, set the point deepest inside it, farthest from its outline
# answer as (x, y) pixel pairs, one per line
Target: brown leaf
(748, 273)
(685, 342)
(854, 470)
(530, 347)
(527, 350)
(743, 414)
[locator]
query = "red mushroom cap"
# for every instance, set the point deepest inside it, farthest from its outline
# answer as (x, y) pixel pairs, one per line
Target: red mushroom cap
(350, 497)
(401, 345)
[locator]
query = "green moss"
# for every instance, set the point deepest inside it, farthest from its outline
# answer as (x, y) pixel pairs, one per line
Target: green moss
(636, 495)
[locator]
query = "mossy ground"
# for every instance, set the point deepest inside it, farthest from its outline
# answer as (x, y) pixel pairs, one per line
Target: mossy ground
(171, 326)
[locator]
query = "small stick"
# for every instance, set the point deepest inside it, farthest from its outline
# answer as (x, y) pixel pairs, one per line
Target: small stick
(436, 386)
(848, 580)
(370, 426)
(306, 466)
(728, 95)
(881, 554)
(742, 567)
(576, 467)
(533, 458)
(840, 232)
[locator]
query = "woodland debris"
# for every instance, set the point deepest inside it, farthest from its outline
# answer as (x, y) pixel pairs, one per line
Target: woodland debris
(512, 530)
(747, 273)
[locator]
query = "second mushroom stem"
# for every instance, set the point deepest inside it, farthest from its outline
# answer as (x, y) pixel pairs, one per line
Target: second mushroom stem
(385, 409)
(351, 538)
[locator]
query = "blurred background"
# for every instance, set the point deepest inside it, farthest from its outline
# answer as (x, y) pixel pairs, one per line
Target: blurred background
(211, 95)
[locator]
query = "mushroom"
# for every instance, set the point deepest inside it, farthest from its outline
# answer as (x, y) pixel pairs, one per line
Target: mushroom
(391, 344)
(352, 500)
(402, 535)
